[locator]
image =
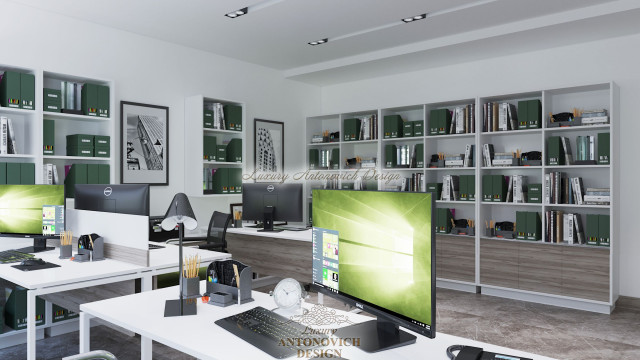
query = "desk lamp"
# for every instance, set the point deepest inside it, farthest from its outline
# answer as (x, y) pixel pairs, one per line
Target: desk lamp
(181, 214)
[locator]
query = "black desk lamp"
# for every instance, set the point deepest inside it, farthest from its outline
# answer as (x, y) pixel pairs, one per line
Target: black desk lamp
(181, 214)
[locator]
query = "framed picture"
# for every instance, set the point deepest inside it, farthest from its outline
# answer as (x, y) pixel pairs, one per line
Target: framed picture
(235, 209)
(268, 142)
(144, 144)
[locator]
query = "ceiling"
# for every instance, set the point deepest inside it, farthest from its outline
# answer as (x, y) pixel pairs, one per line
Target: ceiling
(276, 36)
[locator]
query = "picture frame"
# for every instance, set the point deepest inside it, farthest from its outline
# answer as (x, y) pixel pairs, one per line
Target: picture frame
(233, 208)
(144, 144)
(268, 145)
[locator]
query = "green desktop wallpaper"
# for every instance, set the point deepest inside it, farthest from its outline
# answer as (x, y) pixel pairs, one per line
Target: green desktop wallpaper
(21, 206)
(384, 246)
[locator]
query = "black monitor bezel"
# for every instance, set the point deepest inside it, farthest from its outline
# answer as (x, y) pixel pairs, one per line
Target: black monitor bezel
(378, 311)
(246, 189)
(96, 186)
(40, 235)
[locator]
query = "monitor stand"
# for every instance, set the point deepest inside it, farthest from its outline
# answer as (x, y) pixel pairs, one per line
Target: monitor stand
(39, 245)
(376, 335)
(268, 220)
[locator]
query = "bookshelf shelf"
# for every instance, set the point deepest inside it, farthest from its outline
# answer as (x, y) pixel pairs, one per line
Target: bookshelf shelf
(77, 158)
(215, 195)
(218, 131)
(12, 111)
(356, 142)
(335, 143)
(17, 156)
(580, 292)
(457, 235)
(207, 162)
(63, 116)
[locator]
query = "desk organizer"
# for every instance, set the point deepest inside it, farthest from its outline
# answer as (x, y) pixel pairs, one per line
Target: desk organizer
(223, 272)
(95, 252)
(463, 231)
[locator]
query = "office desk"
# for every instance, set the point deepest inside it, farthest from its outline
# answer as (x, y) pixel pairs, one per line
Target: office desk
(282, 254)
(74, 275)
(198, 335)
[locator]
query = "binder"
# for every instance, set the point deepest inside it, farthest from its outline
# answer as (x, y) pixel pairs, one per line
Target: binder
(603, 230)
(48, 136)
(390, 156)
(314, 159)
(521, 225)
(233, 117)
(592, 231)
(393, 126)
(208, 119)
(523, 114)
(10, 90)
(499, 187)
(555, 153)
(27, 173)
(13, 173)
(27, 91)
(89, 99)
(93, 174)
(351, 129)
(335, 158)
(463, 188)
(534, 112)
(471, 188)
(3, 177)
(603, 148)
(418, 128)
(487, 188)
(103, 100)
(534, 226)
(103, 174)
(234, 150)
(419, 153)
(209, 147)
(235, 180)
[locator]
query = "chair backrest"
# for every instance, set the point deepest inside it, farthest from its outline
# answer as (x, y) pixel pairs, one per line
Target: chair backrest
(218, 228)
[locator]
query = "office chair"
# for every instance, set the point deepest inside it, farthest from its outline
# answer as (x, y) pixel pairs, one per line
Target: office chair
(217, 232)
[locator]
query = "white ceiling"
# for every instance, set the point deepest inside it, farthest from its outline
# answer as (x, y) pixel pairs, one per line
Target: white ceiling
(277, 36)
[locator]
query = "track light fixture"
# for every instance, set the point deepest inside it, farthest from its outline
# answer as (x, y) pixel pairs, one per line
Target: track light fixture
(318, 42)
(414, 18)
(237, 13)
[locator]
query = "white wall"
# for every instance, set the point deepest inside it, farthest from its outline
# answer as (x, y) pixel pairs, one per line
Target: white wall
(602, 61)
(150, 71)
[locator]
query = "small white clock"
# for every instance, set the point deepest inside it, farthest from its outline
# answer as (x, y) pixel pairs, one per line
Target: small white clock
(288, 295)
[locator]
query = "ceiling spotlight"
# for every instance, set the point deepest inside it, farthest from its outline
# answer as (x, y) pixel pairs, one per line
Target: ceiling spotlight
(237, 13)
(414, 18)
(318, 42)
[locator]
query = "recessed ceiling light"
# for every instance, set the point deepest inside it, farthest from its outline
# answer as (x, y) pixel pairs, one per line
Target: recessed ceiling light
(414, 18)
(237, 13)
(318, 42)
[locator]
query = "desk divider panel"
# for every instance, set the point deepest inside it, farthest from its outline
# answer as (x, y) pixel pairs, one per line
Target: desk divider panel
(125, 236)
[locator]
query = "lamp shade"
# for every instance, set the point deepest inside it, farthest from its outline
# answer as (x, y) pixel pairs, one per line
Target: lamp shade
(179, 212)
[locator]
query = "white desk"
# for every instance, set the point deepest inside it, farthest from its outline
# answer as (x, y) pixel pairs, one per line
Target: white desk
(73, 275)
(198, 335)
(285, 234)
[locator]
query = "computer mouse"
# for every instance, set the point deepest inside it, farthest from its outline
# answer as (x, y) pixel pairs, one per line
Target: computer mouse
(32, 262)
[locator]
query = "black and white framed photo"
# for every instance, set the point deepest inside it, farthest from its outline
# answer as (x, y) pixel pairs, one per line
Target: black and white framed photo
(144, 144)
(268, 141)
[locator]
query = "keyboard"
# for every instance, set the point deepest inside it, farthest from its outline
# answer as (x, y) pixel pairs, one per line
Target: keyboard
(12, 256)
(267, 330)
(291, 228)
(153, 247)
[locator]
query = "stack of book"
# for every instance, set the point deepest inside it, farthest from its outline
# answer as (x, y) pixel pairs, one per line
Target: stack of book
(463, 120)
(8, 143)
(586, 149)
(413, 183)
(369, 127)
(564, 227)
(487, 155)
(595, 117)
(563, 190)
(450, 188)
(516, 190)
(499, 117)
(597, 196)
(453, 160)
(50, 174)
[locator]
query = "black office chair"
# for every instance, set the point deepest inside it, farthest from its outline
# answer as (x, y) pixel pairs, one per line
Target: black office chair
(217, 232)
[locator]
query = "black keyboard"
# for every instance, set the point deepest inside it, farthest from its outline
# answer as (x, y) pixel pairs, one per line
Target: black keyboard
(268, 332)
(153, 247)
(13, 256)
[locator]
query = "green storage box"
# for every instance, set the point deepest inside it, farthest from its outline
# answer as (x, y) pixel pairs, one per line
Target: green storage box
(72, 314)
(13, 173)
(10, 90)
(592, 232)
(335, 158)
(104, 177)
(439, 121)
(101, 151)
(347, 186)
(499, 188)
(534, 198)
(3, 176)
(209, 145)
(80, 140)
(233, 117)
(93, 174)
(555, 151)
(534, 188)
(221, 153)
(351, 129)
(443, 220)
(89, 99)
(15, 311)
(85, 151)
(52, 107)
(52, 96)
(419, 151)
(463, 194)
(220, 181)
(234, 151)
(603, 230)
(101, 141)
(390, 156)
(393, 126)
(407, 129)
(534, 111)
(77, 175)
(235, 180)
(27, 173)
(603, 148)
(521, 225)
(436, 189)
(208, 119)
(314, 159)
(471, 188)
(27, 91)
(58, 313)
(534, 226)
(487, 188)
(48, 136)
(103, 101)
(418, 128)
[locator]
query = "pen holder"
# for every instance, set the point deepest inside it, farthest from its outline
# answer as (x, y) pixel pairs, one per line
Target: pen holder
(65, 251)
(463, 231)
(490, 232)
(98, 249)
(191, 286)
(237, 224)
(82, 257)
(222, 272)
(504, 234)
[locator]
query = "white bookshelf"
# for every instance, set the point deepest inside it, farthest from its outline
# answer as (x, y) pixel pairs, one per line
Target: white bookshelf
(194, 134)
(586, 97)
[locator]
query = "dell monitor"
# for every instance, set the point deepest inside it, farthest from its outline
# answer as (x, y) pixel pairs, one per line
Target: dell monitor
(122, 199)
(375, 250)
(32, 211)
(271, 202)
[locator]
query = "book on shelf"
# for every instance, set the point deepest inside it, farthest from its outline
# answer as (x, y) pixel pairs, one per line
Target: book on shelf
(566, 148)
(4, 135)
(585, 149)
(488, 154)
(12, 147)
(450, 188)
(50, 174)
(468, 155)
(499, 117)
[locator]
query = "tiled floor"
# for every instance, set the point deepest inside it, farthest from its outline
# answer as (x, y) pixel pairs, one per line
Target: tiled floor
(545, 330)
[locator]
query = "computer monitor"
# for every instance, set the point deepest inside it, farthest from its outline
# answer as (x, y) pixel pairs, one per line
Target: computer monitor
(32, 211)
(271, 202)
(375, 251)
(123, 199)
